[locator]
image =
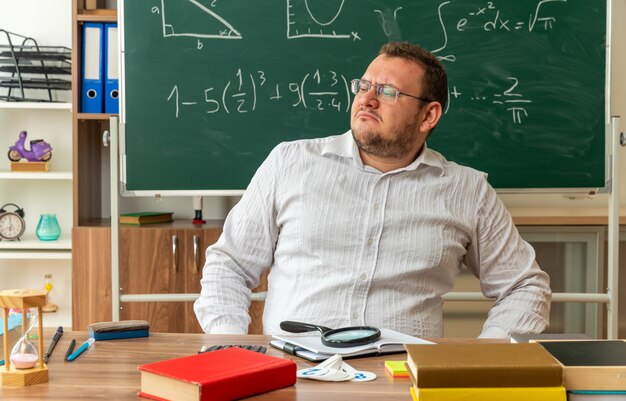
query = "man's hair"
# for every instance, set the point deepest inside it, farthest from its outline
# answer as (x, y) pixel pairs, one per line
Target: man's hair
(435, 77)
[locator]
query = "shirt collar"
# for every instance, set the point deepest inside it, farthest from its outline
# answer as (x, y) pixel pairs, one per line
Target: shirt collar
(344, 146)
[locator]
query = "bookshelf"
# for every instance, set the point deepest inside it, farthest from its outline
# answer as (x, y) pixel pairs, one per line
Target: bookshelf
(38, 193)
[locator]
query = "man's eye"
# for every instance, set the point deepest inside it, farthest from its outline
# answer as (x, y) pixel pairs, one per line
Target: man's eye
(389, 91)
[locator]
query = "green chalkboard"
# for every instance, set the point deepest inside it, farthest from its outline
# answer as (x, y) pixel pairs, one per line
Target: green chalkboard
(211, 86)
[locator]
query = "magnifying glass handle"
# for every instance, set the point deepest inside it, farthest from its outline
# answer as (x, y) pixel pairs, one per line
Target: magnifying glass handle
(299, 327)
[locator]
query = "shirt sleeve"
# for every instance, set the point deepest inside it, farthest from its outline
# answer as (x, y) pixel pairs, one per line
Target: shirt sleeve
(508, 272)
(244, 250)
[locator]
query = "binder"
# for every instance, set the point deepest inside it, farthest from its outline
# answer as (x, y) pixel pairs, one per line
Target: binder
(92, 72)
(111, 71)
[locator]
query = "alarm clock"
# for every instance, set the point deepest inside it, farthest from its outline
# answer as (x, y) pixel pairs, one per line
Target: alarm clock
(12, 224)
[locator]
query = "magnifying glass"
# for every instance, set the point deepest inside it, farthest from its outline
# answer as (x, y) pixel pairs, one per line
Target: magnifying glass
(338, 338)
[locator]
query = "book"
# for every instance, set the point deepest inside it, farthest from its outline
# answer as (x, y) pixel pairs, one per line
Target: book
(590, 364)
(489, 394)
(482, 365)
(525, 338)
(140, 218)
(222, 375)
(596, 395)
(396, 369)
(312, 349)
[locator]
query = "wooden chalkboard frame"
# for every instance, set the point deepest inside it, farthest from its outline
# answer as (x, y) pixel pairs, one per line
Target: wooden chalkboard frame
(601, 182)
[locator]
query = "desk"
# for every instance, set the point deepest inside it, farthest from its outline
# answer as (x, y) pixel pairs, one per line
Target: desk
(108, 370)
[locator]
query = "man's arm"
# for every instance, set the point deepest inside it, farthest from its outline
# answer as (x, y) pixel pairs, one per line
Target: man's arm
(244, 250)
(508, 272)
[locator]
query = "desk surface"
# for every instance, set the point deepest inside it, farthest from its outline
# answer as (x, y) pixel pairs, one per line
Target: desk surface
(108, 371)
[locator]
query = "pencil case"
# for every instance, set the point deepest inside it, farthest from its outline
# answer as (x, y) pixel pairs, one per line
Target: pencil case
(119, 330)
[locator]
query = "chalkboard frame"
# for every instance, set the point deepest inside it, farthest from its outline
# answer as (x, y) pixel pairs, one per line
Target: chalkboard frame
(126, 191)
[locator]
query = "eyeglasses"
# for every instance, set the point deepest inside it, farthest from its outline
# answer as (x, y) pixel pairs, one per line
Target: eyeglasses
(386, 92)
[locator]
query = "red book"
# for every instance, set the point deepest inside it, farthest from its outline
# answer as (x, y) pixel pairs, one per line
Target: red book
(227, 374)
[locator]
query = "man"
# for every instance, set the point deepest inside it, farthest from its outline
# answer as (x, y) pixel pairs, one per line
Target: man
(371, 227)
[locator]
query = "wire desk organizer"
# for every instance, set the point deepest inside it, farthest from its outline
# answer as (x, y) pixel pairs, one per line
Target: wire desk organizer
(26, 66)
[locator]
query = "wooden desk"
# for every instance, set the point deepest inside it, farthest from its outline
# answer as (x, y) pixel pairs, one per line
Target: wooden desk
(108, 371)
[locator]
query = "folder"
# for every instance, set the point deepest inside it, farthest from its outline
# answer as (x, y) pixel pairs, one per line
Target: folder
(92, 77)
(111, 72)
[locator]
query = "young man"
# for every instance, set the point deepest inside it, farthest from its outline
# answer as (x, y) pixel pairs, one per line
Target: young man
(371, 227)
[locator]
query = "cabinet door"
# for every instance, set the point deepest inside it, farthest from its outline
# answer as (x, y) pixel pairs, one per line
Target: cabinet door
(91, 276)
(196, 243)
(151, 262)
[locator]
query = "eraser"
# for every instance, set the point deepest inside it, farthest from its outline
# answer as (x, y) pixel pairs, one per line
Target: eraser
(118, 330)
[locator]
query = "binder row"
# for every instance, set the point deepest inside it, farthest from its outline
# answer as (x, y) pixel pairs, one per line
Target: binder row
(100, 75)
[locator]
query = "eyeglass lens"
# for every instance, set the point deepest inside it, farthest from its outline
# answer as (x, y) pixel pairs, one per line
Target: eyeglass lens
(387, 91)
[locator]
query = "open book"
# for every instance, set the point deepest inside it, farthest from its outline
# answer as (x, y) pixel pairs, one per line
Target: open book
(312, 349)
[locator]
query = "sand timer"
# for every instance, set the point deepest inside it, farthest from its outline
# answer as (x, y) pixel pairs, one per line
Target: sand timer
(24, 355)
(19, 369)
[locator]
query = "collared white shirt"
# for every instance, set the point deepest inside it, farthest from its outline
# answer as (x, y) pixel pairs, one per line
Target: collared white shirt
(348, 245)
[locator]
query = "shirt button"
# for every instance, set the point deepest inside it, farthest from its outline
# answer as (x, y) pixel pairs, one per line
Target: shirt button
(355, 315)
(370, 242)
(363, 276)
(375, 206)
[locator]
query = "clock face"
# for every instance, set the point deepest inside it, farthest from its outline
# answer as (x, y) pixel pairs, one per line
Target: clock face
(11, 226)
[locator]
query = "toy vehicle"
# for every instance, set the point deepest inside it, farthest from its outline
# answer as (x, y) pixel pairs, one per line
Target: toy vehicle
(40, 150)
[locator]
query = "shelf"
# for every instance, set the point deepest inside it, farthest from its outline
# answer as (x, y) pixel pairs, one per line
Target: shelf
(35, 254)
(32, 244)
(94, 116)
(101, 15)
(47, 175)
(36, 105)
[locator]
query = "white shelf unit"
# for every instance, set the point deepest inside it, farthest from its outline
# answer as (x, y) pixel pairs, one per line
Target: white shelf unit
(24, 264)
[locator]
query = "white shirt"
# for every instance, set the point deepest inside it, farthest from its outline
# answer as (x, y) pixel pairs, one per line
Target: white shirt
(348, 245)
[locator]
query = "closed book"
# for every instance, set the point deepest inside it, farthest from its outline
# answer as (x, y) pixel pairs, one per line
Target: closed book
(146, 218)
(591, 364)
(227, 374)
(489, 394)
(482, 365)
(596, 395)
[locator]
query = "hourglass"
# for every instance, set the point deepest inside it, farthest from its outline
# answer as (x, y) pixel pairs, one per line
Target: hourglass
(19, 369)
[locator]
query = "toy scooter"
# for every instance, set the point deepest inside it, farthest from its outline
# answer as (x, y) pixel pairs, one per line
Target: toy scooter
(40, 150)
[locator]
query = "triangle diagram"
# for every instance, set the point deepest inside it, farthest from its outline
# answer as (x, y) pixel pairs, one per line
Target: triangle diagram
(192, 18)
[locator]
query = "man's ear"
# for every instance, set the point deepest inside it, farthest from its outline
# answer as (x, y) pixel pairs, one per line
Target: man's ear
(431, 114)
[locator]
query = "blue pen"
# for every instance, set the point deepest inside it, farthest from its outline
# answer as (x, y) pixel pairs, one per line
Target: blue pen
(81, 349)
(1, 362)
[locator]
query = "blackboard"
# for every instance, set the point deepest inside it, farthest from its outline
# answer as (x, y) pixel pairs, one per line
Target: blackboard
(211, 86)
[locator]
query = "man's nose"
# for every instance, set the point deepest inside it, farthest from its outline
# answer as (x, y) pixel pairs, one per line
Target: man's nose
(369, 98)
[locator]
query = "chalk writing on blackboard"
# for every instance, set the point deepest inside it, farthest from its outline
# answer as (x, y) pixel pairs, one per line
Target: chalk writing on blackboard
(316, 90)
(210, 25)
(306, 20)
(319, 91)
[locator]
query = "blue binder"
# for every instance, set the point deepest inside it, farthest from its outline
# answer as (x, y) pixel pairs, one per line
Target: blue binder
(111, 71)
(92, 85)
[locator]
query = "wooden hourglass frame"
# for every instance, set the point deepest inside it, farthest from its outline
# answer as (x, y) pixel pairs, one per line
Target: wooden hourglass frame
(24, 300)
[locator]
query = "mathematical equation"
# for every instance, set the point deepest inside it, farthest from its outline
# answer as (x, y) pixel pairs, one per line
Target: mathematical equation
(302, 20)
(317, 91)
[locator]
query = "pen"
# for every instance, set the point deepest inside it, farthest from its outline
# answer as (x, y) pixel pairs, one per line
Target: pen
(80, 349)
(1, 362)
(70, 349)
(53, 343)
